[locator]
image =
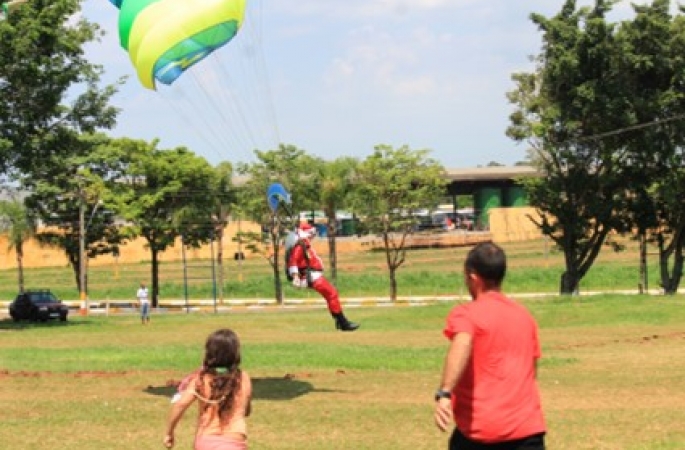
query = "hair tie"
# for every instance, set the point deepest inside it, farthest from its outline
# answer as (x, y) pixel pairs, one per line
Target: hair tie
(221, 370)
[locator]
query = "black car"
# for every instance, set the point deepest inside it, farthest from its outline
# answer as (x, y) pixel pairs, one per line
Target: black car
(38, 305)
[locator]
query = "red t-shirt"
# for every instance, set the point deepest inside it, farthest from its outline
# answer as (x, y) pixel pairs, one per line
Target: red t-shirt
(497, 397)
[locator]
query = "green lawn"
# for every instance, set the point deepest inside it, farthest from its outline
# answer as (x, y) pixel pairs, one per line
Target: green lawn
(611, 376)
(533, 267)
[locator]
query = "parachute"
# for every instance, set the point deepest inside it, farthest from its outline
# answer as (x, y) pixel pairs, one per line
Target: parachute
(203, 65)
(166, 37)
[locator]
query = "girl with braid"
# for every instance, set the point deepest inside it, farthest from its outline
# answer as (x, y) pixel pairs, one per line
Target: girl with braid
(223, 392)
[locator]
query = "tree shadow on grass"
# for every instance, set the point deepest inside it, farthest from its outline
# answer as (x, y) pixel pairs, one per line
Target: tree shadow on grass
(270, 388)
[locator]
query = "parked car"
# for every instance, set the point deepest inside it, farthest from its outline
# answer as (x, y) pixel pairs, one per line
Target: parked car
(38, 305)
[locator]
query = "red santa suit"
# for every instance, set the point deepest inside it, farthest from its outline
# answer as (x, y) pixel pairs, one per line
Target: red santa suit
(306, 268)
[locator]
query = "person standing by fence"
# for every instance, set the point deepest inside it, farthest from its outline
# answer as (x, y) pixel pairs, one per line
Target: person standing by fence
(144, 304)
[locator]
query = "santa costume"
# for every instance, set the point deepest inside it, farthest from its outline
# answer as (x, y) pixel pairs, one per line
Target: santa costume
(306, 269)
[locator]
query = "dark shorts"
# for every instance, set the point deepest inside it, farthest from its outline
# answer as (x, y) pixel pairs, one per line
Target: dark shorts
(460, 442)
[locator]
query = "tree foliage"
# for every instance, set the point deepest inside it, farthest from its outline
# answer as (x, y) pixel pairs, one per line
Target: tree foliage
(391, 185)
(336, 181)
(294, 169)
(165, 196)
(20, 224)
(588, 111)
(75, 192)
(49, 89)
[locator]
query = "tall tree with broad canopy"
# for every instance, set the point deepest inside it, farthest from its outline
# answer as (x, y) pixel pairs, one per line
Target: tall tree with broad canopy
(78, 192)
(165, 196)
(295, 170)
(391, 185)
(575, 111)
(49, 91)
(653, 46)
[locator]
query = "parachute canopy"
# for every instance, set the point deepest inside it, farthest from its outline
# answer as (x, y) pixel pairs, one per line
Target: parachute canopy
(276, 194)
(165, 37)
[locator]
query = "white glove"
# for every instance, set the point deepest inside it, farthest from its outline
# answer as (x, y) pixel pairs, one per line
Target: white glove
(299, 282)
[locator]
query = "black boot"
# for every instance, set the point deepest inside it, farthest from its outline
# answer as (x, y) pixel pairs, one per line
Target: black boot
(342, 324)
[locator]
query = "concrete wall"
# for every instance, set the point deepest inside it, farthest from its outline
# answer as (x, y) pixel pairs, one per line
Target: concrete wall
(133, 252)
(506, 225)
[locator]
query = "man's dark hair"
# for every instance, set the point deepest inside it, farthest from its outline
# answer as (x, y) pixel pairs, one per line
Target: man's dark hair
(488, 261)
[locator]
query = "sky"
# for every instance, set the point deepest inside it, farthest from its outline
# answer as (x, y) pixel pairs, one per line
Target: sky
(338, 77)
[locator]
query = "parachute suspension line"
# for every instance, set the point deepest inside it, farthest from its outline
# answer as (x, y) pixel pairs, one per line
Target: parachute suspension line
(218, 100)
(233, 102)
(231, 89)
(177, 100)
(228, 101)
(255, 16)
(246, 68)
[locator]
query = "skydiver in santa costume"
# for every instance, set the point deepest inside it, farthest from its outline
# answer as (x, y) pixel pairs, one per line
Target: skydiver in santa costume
(306, 269)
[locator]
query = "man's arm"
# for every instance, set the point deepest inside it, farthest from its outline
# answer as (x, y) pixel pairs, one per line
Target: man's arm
(457, 358)
(296, 257)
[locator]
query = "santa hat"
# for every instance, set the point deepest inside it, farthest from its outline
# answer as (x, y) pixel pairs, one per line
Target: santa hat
(306, 230)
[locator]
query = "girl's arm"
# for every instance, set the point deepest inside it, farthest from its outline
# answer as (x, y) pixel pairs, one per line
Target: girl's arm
(246, 388)
(177, 410)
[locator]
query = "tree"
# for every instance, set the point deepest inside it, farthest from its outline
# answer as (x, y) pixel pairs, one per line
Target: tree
(336, 181)
(653, 45)
(42, 63)
(294, 169)
(569, 110)
(162, 192)
(19, 223)
(391, 185)
(75, 194)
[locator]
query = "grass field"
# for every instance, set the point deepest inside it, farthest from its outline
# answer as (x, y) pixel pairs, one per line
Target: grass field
(534, 267)
(612, 377)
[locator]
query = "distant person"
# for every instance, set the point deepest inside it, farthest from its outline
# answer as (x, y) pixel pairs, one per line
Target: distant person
(306, 269)
(144, 304)
(489, 382)
(223, 392)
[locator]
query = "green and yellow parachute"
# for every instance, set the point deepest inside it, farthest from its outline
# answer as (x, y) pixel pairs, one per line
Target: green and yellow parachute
(165, 37)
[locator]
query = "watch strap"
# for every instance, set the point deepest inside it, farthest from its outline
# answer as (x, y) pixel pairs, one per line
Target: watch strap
(441, 393)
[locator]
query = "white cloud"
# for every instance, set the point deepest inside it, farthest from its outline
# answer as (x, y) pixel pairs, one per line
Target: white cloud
(346, 75)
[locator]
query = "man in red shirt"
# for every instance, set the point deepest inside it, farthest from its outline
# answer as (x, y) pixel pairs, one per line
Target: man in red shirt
(306, 269)
(489, 381)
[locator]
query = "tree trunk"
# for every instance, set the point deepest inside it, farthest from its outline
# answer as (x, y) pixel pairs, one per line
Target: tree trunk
(670, 281)
(155, 277)
(278, 287)
(569, 283)
(220, 262)
(677, 272)
(20, 267)
(393, 285)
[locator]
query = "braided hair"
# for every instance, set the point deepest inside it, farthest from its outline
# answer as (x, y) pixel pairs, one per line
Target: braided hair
(222, 366)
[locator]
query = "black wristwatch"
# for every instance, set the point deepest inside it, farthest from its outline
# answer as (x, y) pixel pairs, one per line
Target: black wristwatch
(440, 393)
